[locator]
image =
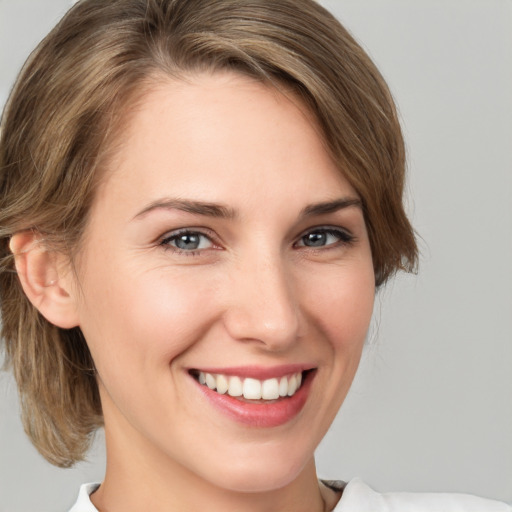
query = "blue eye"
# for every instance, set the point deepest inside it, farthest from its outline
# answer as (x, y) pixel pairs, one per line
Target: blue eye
(188, 241)
(324, 237)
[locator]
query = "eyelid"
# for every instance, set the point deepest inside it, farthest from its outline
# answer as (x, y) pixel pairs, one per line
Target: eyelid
(193, 229)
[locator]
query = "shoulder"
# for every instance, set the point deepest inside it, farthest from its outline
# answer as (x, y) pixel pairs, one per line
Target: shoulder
(83, 503)
(359, 497)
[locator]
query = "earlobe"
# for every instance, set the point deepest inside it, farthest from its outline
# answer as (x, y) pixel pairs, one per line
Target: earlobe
(41, 275)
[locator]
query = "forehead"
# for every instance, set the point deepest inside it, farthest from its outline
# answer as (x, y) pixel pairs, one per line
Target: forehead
(220, 133)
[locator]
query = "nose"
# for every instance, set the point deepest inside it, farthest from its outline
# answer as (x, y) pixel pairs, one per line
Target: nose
(263, 307)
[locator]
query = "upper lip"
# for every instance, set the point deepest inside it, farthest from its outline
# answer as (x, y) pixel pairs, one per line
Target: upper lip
(256, 372)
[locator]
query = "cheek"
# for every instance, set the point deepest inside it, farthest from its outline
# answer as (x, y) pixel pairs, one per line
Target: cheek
(341, 301)
(141, 319)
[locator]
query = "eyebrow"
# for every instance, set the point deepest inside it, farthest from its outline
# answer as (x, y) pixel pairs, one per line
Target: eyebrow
(326, 207)
(224, 212)
(194, 207)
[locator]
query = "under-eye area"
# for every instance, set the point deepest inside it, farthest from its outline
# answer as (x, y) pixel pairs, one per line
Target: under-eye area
(272, 389)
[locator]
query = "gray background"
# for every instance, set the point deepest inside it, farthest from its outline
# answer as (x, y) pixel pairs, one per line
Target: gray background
(431, 407)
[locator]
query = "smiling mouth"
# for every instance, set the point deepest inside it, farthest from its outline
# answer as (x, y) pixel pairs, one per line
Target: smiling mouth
(249, 388)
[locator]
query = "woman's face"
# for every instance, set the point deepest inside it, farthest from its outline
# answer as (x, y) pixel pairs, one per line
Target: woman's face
(223, 245)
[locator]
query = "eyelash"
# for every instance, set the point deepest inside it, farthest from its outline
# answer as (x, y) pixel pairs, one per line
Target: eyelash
(344, 239)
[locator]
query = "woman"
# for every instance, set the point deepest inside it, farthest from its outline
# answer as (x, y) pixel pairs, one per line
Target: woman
(196, 259)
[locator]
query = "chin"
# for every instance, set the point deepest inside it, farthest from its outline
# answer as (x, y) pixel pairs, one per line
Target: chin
(258, 473)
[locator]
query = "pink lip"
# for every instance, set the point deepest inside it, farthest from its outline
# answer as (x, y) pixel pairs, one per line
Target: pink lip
(258, 372)
(254, 414)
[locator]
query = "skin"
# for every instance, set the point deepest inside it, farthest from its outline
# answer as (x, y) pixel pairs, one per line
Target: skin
(253, 294)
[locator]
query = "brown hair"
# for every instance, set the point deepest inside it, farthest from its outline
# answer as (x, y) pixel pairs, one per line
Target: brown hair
(67, 101)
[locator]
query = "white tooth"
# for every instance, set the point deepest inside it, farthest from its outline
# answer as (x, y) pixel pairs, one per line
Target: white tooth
(299, 379)
(202, 378)
(222, 384)
(283, 386)
(210, 381)
(270, 389)
(252, 389)
(292, 385)
(235, 386)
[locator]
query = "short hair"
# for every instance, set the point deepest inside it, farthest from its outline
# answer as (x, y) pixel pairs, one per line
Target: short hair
(66, 106)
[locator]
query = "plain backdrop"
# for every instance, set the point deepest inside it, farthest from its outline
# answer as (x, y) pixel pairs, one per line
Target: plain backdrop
(431, 407)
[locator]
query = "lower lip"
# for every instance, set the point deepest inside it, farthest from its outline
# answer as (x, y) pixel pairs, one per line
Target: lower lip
(265, 415)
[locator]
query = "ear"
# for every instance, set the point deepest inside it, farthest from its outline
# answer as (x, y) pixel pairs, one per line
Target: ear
(45, 279)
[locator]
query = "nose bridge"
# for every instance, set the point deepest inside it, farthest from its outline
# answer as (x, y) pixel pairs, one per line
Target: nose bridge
(263, 305)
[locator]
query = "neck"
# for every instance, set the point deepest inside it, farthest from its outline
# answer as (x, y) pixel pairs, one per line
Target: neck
(141, 480)
(185, 492)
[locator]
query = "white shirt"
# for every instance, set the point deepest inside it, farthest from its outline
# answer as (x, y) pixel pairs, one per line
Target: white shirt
(358, 497)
